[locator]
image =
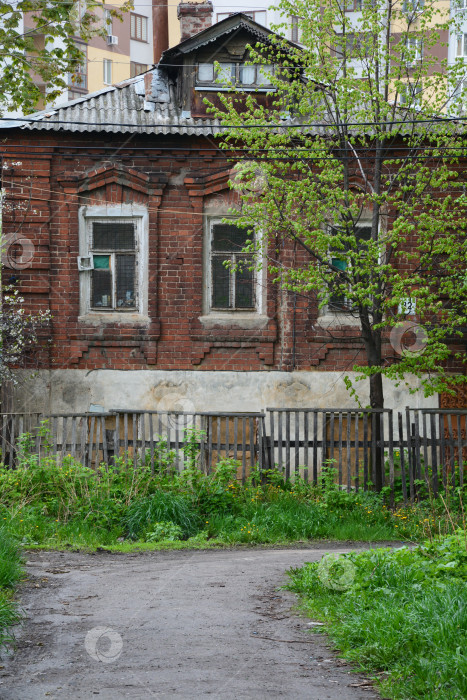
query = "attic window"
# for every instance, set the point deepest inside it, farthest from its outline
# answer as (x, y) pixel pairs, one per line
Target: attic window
(239, 74)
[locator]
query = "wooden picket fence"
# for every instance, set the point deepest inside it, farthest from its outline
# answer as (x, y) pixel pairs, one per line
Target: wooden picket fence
(415, 446)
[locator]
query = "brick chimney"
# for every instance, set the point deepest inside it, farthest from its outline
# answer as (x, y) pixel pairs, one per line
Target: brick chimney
(160, 24)
(194, 17)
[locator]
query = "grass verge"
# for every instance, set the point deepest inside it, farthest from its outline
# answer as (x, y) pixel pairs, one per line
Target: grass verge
(400, 615)
(60, 505)
(10, 574)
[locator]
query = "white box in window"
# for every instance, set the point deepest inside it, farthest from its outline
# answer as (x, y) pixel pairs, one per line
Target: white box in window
(85, 263)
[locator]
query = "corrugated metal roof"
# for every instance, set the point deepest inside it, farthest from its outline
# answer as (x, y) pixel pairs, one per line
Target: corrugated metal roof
(216, 31)
(121, 109)
(125, 108)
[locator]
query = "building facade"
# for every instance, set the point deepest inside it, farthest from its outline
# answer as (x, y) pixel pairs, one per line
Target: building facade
(125, 239)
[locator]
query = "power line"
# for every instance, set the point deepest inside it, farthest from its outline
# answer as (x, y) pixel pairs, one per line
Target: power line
(45, 192)
(290, 150)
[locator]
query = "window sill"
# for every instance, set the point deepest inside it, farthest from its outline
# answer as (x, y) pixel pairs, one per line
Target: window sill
(95, 318)
(244, 320)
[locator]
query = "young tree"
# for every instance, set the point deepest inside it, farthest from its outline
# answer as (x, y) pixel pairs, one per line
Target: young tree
(38, 45)
(19, 331)
(360, 166)
(19, 334)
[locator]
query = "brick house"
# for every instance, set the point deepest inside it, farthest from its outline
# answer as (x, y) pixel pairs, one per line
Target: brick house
(122, 195)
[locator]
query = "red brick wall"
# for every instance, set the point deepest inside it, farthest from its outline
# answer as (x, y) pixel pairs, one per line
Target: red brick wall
(43, 197)
(194, 17)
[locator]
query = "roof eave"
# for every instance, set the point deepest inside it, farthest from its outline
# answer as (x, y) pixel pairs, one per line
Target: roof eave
(215, 31)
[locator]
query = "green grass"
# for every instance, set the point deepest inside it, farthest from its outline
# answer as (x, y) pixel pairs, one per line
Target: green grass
(10, 574)
(401, 614)
(45, 504)
(259, 516)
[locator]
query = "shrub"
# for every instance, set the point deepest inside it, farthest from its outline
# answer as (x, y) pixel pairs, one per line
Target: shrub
(165, 530)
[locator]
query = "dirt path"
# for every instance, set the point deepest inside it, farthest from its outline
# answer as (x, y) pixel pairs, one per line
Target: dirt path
(170, 625)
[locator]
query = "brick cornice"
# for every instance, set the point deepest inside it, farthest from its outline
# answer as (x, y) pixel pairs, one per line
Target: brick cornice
(114, 174)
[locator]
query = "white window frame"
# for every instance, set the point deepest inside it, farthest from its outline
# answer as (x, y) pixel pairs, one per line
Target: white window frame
(108, 22)
(107, 71)
(413, 7)
(232, 71)
(457, 104)
(87, 215)
(414, 46)
(350, 5)
(411, 96)
(461, 46)
(259, 289)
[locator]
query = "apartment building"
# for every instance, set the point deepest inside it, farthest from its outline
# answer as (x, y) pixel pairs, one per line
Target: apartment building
(133, 45)
(126, 51)
(261, 11)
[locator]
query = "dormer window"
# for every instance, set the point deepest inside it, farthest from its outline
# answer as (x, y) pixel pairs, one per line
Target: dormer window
(239, 74)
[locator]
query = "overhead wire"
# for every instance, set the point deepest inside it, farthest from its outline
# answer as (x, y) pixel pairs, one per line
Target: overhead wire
(45, 197)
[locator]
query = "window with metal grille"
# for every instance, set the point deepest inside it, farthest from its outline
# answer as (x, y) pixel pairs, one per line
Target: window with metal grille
(138, 27)
(114, 251)
(338, 301)
(232, 274)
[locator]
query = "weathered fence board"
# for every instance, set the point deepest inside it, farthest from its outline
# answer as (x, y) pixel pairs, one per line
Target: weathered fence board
(416, 446)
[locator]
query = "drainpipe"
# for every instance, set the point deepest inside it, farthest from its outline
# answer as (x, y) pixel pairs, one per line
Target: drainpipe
(160, 27)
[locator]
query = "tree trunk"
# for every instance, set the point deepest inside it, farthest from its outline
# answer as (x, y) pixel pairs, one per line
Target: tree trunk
(372, 341)
(377, 401)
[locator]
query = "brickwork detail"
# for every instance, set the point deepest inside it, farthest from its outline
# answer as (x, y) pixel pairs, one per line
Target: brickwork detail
(45, 192)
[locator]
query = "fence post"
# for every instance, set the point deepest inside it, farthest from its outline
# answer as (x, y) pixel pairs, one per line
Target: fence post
(391, 458)
(402, 455)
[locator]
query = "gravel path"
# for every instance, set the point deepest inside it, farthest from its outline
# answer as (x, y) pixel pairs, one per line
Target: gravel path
(170, 625)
